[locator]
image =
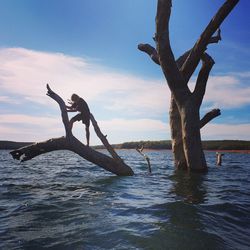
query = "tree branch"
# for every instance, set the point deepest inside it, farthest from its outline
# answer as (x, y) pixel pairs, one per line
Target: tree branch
(151, 51)
(200, 46)
(28, 152)
(64, 114)
(217, 38)
(166, 57)
(201, 83)
(74, 145)
(104, 140)
(209, 116)
(114, 165)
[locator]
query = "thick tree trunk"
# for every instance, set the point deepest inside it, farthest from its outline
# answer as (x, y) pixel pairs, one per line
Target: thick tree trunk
(177, 77)
(176, 135)
(112, 164)
(174, 114)
(192, 145)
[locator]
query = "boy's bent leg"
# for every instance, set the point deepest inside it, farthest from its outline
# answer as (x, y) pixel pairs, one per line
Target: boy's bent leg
(74, 119)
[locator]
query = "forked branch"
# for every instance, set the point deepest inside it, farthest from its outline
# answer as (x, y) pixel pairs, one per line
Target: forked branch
(64, 114)
(112, 164)
(201, 83)
(151, 51)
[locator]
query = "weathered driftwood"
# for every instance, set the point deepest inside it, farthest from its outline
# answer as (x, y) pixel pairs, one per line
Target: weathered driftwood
(174, 115)
(185, 120)
(219, 158)
(112, 164)
(147, 159)
(104, 140)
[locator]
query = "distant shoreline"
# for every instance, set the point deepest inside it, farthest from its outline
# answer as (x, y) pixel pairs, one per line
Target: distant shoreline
(234, 146)
(13, 144)
(209, 150)
(231, 151)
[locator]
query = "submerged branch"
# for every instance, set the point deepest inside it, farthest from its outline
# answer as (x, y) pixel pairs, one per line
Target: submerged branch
(139, 150)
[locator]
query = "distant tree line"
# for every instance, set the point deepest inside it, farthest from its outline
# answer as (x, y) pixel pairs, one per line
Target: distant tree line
(165, 144)
(207, 145)
(226, 145)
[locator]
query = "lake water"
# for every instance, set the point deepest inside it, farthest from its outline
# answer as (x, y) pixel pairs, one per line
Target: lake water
(60, 201)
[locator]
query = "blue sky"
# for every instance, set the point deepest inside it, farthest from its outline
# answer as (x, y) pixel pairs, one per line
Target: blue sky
(90, 48)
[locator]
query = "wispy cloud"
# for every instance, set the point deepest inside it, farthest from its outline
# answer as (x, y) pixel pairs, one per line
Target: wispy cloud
(245, 74)
(24, 73)
(35, 128)
(9, 100)
(134, 125)
(121, 130)
(45, 122)
(226, 131)
(227, 91)
(29, 127)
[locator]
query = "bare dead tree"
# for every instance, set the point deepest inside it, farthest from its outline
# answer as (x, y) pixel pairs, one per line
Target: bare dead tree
(174, 115)
(185, 105)
(112, 164)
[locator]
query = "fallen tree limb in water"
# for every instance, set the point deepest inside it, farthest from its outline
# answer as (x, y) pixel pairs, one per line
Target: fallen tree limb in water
(112, 164)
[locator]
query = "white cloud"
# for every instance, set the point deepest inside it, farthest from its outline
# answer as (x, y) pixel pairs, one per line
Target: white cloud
(227, 92)
(226, 131)
(245, 74)
(9, 100)
(29, 128)
(29, 120)
(34, 128)
(133, 125)
(121, 130)
(25, 73)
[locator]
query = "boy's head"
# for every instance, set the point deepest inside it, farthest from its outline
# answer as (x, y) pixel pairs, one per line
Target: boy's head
(75, 98)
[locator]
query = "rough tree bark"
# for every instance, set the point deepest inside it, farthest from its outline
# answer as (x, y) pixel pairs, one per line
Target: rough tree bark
(174, 115)
(112, 164)
(185, 122)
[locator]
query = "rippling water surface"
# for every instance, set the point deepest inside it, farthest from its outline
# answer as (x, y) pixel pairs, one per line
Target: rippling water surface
(60, 201)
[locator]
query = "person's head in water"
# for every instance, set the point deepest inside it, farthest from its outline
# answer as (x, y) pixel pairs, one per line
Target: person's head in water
(75, 98)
